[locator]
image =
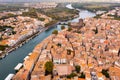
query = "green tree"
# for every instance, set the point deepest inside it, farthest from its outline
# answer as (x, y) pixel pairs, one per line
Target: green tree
(51, 23)
(69, 29)
(55, 32)
(71, 75)
(95, 30)
(48, 67)
(77, 68)
(3, 47)
(62, 27)
(69, 51)
(41, 19)
(32, 13)
(82, 75)
(11, 15)
(59, 44)
(69, 24)
(105, 72)
(0, 37)
(13, 32)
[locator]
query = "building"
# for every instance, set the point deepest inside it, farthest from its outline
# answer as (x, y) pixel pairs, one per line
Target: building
(77, 24)
(42, 5)
(64, 69)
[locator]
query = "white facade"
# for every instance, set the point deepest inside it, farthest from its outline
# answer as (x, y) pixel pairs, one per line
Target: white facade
(12, 42)
(59, 61)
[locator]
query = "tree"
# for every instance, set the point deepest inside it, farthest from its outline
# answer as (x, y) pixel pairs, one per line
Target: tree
(69, 24)
(96, 30)
(41, 19)
(3, 47)
(105, 72)
(69, 29)
(62, 27)
(71, 75)
(0, 38)
(55, 32)
(59, 44)
(13, 32)
(48, 67)
(77, 68)
(32, 13)
(82, 75)
(69, 51)
(51, 23)
(11, 15)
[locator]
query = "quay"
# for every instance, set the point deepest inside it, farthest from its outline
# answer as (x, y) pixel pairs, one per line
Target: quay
(21, 43)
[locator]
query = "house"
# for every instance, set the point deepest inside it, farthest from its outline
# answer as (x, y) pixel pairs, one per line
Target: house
(100, 76)
(64, 69)
(58, 59)
(78, 24)
(87, 76)
(114, 73)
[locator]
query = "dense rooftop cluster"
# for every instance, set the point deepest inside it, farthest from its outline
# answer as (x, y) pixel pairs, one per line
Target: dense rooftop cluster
(89, 53)
(23, 26)
(112, 14)
(42, 5)
(16, 29)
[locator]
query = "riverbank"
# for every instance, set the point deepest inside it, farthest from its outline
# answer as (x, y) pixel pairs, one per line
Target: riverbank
(19, 44)
(59, 13)
(93, 7)
(24, 41)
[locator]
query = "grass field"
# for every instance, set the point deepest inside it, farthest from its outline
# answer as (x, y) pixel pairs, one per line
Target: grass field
(96, 6)
(59, 13)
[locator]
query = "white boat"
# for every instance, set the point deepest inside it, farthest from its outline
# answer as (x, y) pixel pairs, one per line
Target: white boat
(9, 77)
(7, 53)
(3, 56)
(17, 47)
(20, 45)
(26, 58)
(18, 66)
(29, 54)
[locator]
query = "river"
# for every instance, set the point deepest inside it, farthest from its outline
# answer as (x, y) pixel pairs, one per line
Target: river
(8, 63)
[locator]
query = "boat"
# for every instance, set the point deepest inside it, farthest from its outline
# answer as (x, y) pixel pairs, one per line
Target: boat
(9, 77)
(20, 45)
(3, 56)
(6, 53)
(26, 58)
(29, 54)
(18, 66)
